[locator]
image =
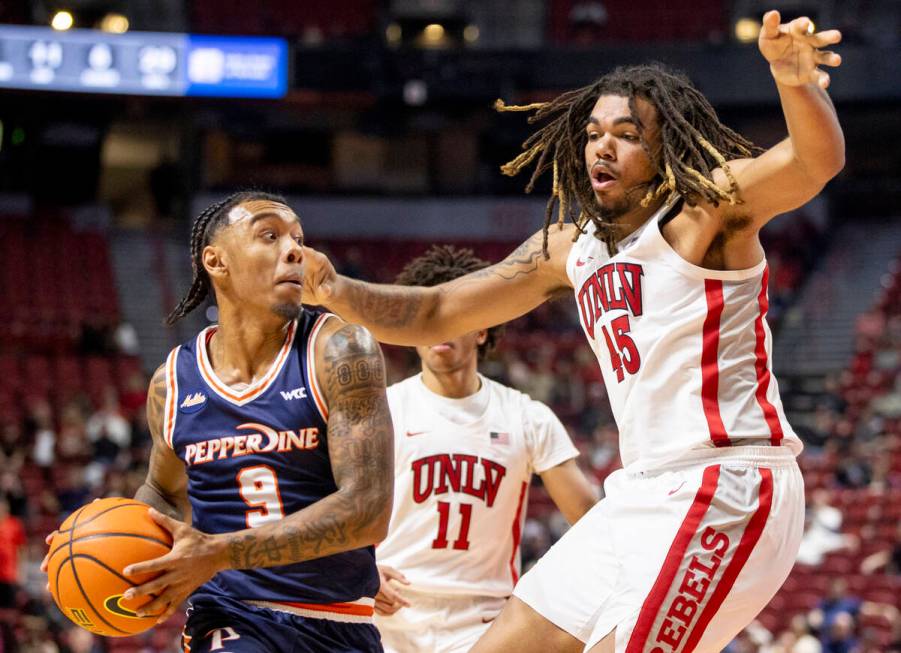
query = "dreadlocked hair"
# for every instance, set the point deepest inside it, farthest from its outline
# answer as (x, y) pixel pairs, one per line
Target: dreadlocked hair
(693, 142)
(444, 263)
(205, 226)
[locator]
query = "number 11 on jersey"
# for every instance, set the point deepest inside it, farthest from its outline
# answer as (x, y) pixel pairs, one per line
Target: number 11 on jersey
(462, 541)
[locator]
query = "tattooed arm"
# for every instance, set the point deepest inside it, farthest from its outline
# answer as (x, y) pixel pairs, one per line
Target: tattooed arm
(361, 450)
(165, 487)
(423, 316)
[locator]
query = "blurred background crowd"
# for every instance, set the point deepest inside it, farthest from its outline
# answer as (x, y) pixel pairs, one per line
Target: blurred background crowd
(385, 142)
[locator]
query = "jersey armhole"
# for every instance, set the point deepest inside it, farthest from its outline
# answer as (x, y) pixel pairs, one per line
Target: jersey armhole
(315, 390)
(170, 408)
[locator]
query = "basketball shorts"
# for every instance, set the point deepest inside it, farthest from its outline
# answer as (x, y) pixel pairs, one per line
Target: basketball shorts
(219, 624)
(675, 560)
(438, 623)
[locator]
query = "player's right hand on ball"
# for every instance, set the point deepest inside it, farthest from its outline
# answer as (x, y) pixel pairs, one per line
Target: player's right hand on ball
(319, 277)
(389, 600)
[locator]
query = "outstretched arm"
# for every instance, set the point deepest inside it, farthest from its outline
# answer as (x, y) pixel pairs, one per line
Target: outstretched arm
(796, 169)
(423, 316)
(165, 487)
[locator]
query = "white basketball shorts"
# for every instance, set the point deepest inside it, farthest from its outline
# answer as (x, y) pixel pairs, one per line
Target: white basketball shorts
(676, 560)
(438, 623)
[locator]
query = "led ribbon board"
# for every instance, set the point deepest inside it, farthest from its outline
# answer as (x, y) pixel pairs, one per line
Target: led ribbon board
(142, 63)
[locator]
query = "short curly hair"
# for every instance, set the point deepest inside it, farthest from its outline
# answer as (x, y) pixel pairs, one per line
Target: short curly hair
(444, 263)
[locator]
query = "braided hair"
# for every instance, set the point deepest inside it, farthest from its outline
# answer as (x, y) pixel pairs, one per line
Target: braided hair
(205, 226)
(445, 263)
(693, 143)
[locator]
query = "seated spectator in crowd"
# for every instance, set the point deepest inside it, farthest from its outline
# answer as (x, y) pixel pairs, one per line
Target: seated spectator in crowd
(823, 534)
(887, 561)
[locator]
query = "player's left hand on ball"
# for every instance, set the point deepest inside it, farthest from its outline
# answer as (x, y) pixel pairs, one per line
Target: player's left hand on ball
(193, 560)
(793, 50)
(389, 600)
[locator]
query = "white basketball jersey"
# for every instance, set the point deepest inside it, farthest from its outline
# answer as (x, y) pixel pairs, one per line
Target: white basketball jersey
(461, 490)
(684, 351)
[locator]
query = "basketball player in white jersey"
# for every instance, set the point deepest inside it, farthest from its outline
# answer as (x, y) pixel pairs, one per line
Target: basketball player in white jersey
(465, 450)
(701, 527)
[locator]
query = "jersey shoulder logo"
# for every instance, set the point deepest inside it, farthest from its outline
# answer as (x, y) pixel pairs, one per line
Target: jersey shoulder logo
(193, 402)
(296, 393)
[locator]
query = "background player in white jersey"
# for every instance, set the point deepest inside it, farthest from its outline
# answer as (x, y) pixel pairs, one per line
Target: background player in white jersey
(701, 528)
(465, 450)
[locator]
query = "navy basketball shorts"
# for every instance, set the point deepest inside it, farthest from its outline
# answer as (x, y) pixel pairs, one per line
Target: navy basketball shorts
(218, 624)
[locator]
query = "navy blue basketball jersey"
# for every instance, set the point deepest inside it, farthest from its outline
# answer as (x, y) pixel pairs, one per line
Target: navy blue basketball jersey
(258, 455)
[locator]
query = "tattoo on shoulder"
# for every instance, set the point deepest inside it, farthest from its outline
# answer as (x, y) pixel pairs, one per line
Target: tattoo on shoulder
(354, 363)
(156, 400)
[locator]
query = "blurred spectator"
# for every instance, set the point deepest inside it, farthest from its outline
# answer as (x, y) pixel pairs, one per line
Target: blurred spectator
(107, 429)
(887, 560)
(44, 450)
(12, 539)
(840, 635)
(126, 338)
(823, 532)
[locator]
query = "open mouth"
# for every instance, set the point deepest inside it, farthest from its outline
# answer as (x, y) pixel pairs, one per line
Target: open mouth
(601, 178)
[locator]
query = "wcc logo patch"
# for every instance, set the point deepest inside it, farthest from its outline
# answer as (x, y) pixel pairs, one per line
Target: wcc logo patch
(192, 402)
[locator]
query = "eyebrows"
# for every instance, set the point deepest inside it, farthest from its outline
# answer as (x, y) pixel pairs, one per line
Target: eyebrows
(616, 121)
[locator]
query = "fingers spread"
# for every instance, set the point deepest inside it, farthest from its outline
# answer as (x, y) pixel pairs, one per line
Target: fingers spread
(827, 58)
(801, 27)
(770, 27)
(149, 566)
(822, 39)
(165, 521)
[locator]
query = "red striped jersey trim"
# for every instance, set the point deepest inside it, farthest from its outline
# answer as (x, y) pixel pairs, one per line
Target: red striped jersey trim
(710, 372)
(762, 366)
(315, 390)
(170, 412)
(517, 531)
(664, 582)
(748, 541)
(255, 389)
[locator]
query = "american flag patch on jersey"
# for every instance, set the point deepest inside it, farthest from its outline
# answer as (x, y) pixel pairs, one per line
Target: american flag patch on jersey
(498, 437)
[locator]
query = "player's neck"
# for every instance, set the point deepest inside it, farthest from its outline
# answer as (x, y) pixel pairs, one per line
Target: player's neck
(242, 350)
(628, 223)
(456, 384)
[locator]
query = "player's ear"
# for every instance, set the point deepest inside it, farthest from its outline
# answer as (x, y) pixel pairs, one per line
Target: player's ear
(482, 337)
(214, 261)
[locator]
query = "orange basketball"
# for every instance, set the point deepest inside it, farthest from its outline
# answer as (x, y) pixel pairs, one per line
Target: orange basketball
(87, 557)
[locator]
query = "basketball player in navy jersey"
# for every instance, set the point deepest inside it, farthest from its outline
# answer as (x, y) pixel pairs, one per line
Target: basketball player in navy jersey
(272, 437)
(701, 527)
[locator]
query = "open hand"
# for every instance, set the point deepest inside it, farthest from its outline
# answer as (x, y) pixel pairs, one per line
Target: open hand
(319, 277)
(194, 559)
(793, 50)
(389, 600)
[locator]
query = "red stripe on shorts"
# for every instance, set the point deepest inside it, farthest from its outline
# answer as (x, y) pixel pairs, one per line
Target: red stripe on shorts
(674, 558)
(748, 541)
(710, 371)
